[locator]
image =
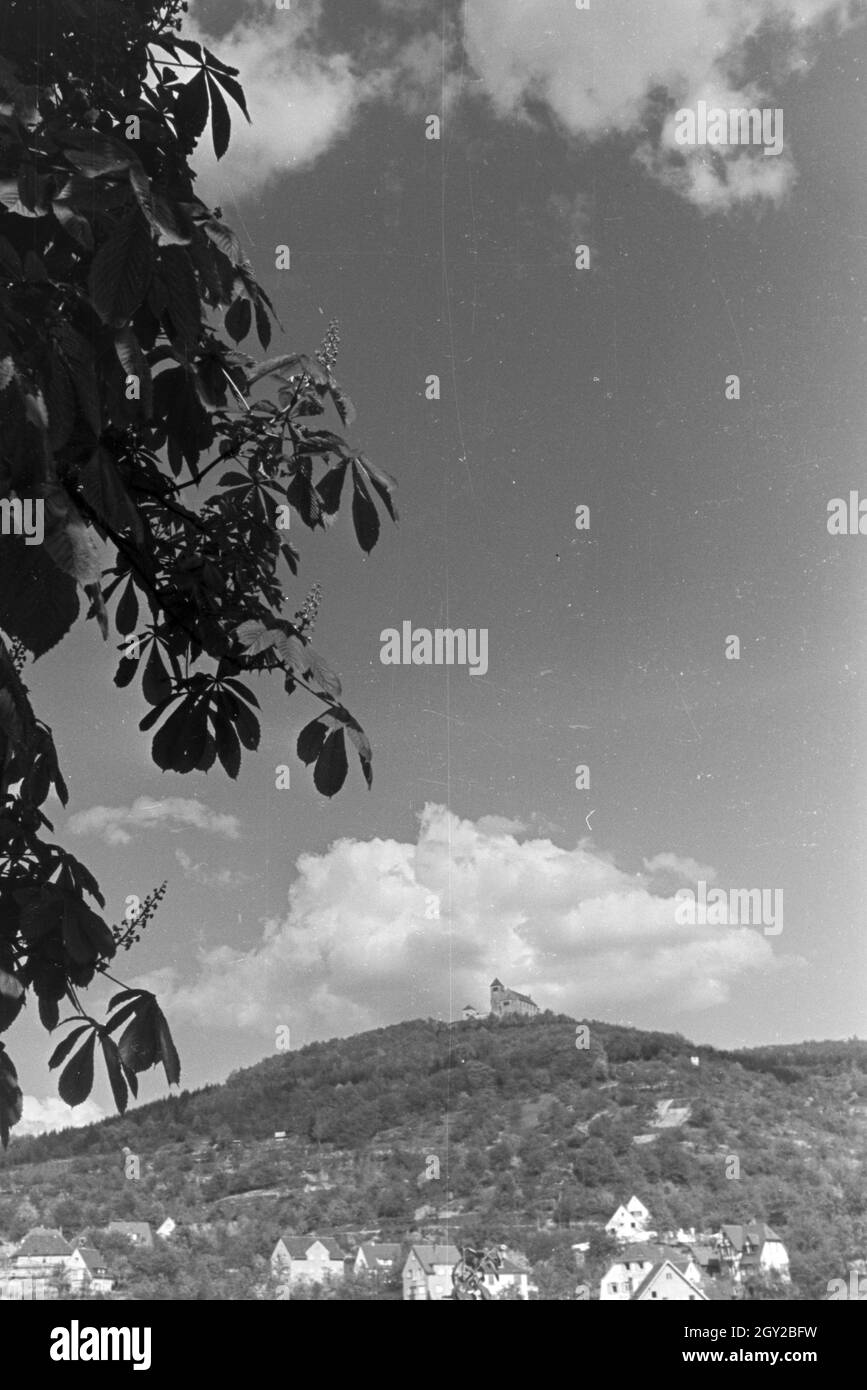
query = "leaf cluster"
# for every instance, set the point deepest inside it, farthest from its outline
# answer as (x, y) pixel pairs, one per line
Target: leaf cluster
(124, 301)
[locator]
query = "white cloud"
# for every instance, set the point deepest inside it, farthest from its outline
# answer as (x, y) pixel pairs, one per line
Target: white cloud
(597, 72)
(114, 823)
(40, 1116)
(211, 878)
(361, 945)
(680, 867)
(300, 99)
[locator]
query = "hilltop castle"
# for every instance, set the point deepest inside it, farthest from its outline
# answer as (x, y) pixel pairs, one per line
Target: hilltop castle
(507, 1002)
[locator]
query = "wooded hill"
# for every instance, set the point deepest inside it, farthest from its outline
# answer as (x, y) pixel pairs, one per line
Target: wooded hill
(536, 1141)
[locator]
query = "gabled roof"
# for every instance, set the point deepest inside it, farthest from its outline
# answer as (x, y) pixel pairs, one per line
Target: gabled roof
(497, 983)
(43, 1240)
(430, 1255)
(378, 1254)
(92, 1259)
(756, 1232)
(639, 1253)
(652, 1275)
(298, 1246)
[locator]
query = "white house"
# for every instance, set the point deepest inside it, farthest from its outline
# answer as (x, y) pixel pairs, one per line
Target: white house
(509, 1275)
(42, 1250)
(753, 1249)
(427, 1273)
(632, 1267)
(86, 1271)
(167, 1228)
(629, 1222)
(44, 1261)
(307, 1260)
(665, 1283)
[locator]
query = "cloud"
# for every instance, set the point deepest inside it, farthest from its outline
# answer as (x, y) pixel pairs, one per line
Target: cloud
(380, 930)
(678, 869)
(619, 68)
(603, 71)
(211, 878)
(114, 823)
(301, 99)
(40, 1116)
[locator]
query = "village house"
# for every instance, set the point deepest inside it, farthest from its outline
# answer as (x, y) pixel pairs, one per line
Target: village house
(42, 1250)
(633, 1265)
(167, 1228)
(374, 1258)
(45, 1262)
(630, 1222)
(429, 1269)
(667, 1283)
(509, 1275)
(86, 1270)
(307, 1260)
(137, 1232)
(427, 1273)
(507, 1002)
(753, 1249)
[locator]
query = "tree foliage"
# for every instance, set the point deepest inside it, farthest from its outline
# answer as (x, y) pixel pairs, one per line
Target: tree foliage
(167, 462)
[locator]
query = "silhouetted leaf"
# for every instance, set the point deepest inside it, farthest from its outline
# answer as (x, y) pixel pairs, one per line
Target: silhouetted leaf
(11, 999)
(11, 1098)
(330, 486)
(49, 1013)
(114, 1067)
(228, 84)
(263, 324)
(246, 723)
(364, 514)
(76, 1079)
(239, 317)
(126, 615)
(180, 742)
(167, 1050)
(221, 125)
(310, 740)
(383, 482)
(191, 107)
(228, 747)
(63, 1049)
(138, 1044)
(331, 767)
(38, 603)
(125, 672)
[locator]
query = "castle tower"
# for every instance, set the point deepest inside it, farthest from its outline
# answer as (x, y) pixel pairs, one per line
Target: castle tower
(508, 1002)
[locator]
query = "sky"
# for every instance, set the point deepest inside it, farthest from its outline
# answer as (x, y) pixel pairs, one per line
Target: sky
(476, 854)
